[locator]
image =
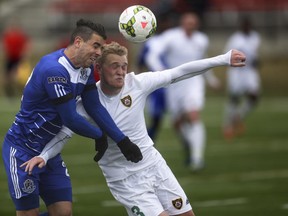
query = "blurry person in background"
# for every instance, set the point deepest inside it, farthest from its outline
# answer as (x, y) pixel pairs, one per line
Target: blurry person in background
(196, 6)
(243, 85)
(15, 46)
(185, 100)
(156, 100)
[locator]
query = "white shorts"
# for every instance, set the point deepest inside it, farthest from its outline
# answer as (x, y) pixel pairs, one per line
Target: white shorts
(243, 80)
(150, 192)
(186, 96)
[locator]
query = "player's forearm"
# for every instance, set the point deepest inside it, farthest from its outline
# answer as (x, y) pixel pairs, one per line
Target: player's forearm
(194, 68)
(76, 122)
(55, 145)
(100, 115)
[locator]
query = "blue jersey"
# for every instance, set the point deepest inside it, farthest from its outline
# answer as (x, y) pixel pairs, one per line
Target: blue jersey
(53, 80)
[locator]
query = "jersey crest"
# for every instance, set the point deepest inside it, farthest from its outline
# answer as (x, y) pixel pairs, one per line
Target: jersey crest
(177, 203)
(127, 101)
(29, 186)
(84, 74)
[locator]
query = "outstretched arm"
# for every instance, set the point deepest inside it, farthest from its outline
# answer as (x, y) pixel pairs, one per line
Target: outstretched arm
(233, 58)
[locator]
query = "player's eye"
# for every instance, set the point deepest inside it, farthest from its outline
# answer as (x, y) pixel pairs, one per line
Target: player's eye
(124, 67)
(96, 45)
(116, 66)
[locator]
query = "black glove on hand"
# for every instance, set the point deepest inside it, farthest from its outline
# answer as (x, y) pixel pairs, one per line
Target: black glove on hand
(101, 146)
(130, 150)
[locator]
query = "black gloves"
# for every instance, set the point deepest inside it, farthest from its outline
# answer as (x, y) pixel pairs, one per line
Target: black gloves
(130, 150)
(101, 146)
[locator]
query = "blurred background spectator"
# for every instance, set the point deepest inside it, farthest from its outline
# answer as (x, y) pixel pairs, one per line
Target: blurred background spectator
(243, 86)
(156, 104)
(15, 45)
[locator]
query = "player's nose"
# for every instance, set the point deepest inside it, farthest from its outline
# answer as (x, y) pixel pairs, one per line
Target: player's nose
(98, 52)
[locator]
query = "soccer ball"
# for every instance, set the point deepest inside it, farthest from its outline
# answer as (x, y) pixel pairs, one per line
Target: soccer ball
(137, 23)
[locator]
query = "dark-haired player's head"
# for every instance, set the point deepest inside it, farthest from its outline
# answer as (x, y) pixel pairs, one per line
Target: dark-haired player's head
(85, 29)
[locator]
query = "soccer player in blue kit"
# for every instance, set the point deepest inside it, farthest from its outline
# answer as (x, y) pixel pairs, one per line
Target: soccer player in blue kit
(48, 103)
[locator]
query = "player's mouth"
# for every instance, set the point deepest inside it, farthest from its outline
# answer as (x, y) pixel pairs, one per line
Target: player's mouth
(120, 79)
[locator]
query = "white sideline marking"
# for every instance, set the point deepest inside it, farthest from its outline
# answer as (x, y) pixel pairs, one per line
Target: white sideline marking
(90, 189)
(248, 176)
(262, 175)
(215, 203)
(204, 204)
(285, 206)
(111, 203)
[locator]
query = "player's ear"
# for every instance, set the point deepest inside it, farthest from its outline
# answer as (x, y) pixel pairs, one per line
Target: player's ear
(78, 41)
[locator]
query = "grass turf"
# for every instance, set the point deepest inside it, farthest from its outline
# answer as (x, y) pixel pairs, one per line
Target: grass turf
(247, 176)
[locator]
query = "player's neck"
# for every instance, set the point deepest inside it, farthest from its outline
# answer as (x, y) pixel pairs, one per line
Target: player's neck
(109, 91)
(71, 55)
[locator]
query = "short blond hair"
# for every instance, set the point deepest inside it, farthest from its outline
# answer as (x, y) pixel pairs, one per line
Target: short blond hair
(111, 48)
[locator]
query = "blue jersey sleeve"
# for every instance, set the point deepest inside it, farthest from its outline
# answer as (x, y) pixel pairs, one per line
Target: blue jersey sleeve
(100, 115)
(57, 84)
(76, 122)
(58, 87)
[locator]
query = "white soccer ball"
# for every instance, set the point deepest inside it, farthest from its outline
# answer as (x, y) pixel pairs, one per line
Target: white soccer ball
(137, 23)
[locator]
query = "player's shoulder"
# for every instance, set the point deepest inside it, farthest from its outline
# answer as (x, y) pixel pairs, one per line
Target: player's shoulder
(51, 58)
(255, 34)
(201, 35)
(154, 40)
(236, 35)
(201, 38)
(133, 78)
(51, 62)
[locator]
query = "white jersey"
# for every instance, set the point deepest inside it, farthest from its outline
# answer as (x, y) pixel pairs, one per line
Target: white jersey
(178, 48)
(245, 78)
(130, 102)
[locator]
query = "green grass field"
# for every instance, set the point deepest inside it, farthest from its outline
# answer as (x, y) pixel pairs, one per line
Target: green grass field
(248, 176)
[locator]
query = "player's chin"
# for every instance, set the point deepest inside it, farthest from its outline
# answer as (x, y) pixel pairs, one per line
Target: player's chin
(119, 83)
(89, 62)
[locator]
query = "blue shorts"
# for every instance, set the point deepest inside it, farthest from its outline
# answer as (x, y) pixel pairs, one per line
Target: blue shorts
(52, 182)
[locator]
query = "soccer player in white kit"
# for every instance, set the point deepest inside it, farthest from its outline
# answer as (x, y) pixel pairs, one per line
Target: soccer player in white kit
(243, 85)
(186, 99)
(148, 187)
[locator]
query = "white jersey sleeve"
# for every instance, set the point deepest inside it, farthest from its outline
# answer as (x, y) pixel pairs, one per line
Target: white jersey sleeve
(150, 81)
(55, 145)
(194, 68)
